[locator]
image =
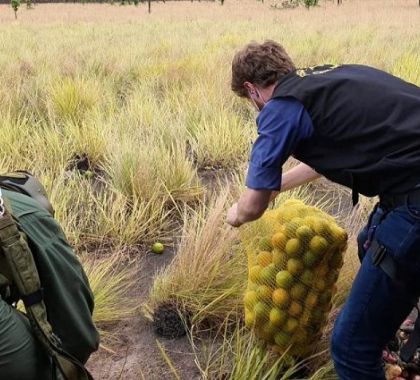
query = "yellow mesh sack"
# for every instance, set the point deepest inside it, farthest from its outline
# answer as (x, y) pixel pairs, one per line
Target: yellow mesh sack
(293, 265)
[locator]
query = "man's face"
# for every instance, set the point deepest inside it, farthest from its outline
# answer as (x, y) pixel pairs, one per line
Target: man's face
(254, 96)
(256, 102)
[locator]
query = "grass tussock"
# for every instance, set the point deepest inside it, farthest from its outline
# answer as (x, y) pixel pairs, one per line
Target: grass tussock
(207, 277)
(93, 214)
(238, 355)
(111, 283)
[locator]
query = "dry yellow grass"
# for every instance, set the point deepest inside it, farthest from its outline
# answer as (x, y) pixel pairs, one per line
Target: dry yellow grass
(147, 99)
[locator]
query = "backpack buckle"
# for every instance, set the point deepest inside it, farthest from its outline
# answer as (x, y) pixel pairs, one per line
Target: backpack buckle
(378, 254)
(2, 207)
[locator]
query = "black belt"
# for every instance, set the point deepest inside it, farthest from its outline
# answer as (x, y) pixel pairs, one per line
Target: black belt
(411, 197)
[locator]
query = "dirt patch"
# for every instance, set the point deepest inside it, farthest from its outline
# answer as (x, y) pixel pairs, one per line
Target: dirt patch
(213, 179)
(137, 356)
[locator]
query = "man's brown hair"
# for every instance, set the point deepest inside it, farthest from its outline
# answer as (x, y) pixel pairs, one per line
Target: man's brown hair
(261, 64)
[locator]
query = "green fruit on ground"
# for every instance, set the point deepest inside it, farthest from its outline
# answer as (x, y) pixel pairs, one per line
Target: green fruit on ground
(293, 247)
(264, 258)
(158, 247)
(307, 277)
(310, 259)
(264, 293)
(279, 240)
(284, 279)
(280, 297)
(268, 275)
(261, 312)
(298, 292)
(249, 318)
(291, 325)
(295, 267)
(277, 317)
(318, 245)
(265, 244)
(254, 273)
(295, 309)
(304, 234)
(89, 174)
(282, 339)
(250, 299)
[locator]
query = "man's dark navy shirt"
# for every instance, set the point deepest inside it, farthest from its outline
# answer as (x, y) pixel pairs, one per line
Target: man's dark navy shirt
(282, 124)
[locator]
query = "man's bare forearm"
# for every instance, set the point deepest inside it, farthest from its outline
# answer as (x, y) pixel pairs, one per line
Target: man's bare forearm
(253, 203)
(297, 176)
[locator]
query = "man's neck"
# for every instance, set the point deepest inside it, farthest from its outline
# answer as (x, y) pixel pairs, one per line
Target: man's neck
(267, 92)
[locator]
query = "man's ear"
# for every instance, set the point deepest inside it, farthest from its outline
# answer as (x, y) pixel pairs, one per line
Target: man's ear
(250, 87)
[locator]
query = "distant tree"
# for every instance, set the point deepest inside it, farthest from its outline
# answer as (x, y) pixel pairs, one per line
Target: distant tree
(15, 5)
(310, 3)
(29, 4)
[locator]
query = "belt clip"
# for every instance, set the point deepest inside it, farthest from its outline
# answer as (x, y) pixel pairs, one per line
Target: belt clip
(378, 255)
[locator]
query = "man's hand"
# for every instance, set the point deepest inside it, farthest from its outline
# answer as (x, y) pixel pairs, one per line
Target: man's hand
(232, 216)
(251, 206)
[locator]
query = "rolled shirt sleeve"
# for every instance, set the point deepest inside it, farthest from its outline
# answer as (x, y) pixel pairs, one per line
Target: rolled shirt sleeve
(282, 124)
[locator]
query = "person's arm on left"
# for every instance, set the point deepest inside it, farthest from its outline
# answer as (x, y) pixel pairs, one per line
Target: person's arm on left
(282, 124)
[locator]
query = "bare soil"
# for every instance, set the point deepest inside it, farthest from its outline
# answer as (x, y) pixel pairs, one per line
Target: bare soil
(137, 355)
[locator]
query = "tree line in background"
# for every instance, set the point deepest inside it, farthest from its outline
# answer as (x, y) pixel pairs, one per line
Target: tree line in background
(15, 4)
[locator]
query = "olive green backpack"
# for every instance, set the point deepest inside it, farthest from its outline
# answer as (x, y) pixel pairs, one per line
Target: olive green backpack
(38, 266)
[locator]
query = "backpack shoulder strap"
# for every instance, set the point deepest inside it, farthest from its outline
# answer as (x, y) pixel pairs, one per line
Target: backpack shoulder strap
(21, 264)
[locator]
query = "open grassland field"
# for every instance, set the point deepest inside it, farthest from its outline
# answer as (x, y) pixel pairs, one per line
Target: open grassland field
(129, 120)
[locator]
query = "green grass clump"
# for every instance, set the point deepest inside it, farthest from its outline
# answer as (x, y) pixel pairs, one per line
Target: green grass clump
(207, 277)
